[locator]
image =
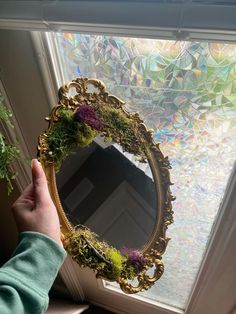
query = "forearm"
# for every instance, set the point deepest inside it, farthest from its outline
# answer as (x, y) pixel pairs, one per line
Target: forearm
(26, 278)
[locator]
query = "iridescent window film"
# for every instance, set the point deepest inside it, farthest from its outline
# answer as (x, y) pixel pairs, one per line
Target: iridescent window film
(185, 92)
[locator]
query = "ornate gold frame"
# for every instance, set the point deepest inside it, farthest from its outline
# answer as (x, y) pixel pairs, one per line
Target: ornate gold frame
(156, 246)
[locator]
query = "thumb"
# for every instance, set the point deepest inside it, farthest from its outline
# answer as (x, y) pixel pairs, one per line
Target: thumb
(39, 180)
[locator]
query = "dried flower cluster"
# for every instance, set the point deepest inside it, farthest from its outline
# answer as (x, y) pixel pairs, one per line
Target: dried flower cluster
(86, 114)
(135, 258)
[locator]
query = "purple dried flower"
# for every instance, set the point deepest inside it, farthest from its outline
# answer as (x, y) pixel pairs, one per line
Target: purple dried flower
(135, 258)
(86, 114)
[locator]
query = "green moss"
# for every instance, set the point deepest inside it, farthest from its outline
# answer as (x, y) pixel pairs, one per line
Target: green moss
(84, 247)
(62, 138)
(86, 250)
(85, 135)
(66, 135)
(129, 272)
(121, 129)
(116, 259)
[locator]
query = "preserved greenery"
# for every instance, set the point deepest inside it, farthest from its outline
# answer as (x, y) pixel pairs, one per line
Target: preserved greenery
(8, 152)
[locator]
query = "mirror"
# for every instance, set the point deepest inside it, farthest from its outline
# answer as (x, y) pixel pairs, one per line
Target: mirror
(107, 190)
(110, 184)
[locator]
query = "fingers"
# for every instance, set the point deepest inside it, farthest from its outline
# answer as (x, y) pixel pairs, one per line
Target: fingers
(39, 181)
(34, 210)
(38, 174)
(26, 201)
(27, 193)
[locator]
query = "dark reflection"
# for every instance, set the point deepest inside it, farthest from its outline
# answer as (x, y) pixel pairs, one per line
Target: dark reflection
(103, 189)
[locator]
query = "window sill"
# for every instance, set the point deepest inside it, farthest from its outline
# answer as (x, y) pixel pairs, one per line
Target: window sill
(57, 306)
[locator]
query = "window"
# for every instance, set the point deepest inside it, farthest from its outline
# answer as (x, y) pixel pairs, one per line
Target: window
(186, 92)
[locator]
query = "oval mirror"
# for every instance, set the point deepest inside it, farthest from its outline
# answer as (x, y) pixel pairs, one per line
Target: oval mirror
(110, 184)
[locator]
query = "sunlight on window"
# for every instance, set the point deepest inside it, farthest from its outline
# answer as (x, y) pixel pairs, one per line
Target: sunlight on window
(186, 92)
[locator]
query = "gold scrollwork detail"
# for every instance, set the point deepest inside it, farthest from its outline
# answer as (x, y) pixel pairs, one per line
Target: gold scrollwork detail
(155, 247)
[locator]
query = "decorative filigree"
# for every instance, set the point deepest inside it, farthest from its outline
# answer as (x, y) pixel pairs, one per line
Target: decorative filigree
(146, 149)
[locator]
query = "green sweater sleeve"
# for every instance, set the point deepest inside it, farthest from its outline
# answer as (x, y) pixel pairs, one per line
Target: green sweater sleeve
(27, 277)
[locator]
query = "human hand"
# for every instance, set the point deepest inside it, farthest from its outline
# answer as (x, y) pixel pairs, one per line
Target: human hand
(34, 210)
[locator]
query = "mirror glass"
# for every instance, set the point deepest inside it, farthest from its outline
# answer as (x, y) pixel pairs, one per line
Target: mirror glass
(109, 191)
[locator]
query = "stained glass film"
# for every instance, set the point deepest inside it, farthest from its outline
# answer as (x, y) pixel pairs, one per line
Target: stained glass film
(186, 93)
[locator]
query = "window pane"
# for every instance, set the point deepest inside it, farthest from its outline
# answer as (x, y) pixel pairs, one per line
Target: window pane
(186, 92)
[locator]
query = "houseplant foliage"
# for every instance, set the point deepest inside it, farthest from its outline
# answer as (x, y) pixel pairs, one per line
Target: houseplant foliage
(8, 152)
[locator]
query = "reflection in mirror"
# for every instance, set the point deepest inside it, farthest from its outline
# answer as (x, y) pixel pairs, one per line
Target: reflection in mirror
(110, 192)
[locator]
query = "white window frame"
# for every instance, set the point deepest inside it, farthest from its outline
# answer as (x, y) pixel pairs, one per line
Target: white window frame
(220, 246)
(214, 288)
